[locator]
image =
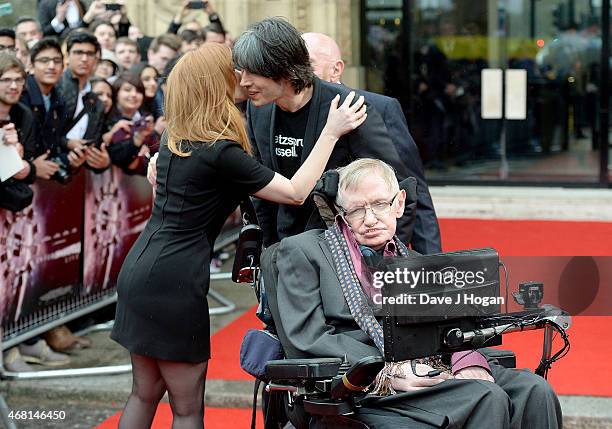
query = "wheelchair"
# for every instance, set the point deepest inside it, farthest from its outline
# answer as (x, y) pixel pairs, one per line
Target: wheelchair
(326, 392)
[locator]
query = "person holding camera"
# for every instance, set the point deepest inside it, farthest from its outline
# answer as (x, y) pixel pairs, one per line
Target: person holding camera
(42, 95)
(130, 138)
(188, 6)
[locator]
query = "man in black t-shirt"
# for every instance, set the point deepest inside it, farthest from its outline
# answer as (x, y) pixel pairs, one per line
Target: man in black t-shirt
(287, 110)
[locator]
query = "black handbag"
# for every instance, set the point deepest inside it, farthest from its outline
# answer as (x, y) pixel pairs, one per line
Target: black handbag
(15, 195)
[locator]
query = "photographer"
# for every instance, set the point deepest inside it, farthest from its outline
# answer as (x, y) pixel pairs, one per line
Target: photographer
(193, 25)
(16, 122)
(49, 154)
(130, 138)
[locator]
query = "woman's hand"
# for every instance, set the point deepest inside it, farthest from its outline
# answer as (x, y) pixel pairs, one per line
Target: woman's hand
(124, 125)
(346, 117)
(152, 171)
(141, 135)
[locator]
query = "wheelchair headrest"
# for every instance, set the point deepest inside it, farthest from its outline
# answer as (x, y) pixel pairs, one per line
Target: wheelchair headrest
(325, 192)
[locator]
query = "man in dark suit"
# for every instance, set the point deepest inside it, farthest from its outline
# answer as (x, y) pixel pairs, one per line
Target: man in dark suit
(327, 64)
(323, 309)
(287, 109)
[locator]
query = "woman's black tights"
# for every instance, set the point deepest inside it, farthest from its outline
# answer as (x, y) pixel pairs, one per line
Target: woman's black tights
(184, 382)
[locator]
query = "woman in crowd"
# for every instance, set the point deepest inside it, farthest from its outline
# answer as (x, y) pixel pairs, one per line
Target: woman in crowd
(149, 77)
(104, 90)
(130, 138)
(204, 170)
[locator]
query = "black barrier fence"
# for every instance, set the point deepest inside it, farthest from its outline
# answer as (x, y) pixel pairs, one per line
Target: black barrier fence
(60, 257)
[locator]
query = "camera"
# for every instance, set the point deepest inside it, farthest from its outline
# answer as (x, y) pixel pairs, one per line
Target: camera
(62, 175)
(112, 6)
(530, 294)
(197, 5)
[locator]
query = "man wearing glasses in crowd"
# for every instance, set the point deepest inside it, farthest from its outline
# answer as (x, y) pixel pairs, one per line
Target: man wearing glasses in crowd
(15, 118)
(7, 40)
(43, 97)
(83, 108)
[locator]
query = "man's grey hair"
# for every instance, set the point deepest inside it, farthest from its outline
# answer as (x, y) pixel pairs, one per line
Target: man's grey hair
(274, 48)
(27, 18)
(351, 175)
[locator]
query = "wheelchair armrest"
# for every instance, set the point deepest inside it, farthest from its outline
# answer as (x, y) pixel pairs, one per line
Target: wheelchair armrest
(302, 369)
(505, 358)
(357, 378)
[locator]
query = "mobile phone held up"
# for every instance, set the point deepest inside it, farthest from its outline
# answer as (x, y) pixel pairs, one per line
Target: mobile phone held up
(197, 5)
(113, 6)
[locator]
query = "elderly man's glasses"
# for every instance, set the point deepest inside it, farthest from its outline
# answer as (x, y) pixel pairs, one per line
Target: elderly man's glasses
(379, 208)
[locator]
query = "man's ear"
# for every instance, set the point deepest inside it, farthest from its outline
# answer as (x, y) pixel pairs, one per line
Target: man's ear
(337, 70)
(401, 203)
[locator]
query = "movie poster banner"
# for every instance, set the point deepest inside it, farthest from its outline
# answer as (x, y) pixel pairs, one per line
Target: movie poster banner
(117, 207)
(40, 251)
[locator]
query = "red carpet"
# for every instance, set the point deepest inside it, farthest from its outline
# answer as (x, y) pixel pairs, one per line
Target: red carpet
(225, 346)
(584, 371)
(214, 418)
(510, 238)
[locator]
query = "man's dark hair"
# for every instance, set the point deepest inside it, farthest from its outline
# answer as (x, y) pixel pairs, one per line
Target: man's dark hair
(82, 37)
(132, 79)
(213, 27)
(190, 36)
(98, 22)
(7, 32)
(45, 43)
(274, 48)
(172, 41)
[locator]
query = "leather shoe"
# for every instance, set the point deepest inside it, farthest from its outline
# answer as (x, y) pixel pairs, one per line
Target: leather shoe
(62, 340)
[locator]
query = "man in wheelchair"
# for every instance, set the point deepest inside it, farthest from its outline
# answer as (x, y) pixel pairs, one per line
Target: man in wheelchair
(324, 308)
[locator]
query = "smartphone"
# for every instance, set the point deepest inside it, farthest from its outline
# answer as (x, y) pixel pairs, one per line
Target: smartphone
(197, 5)
(113, 6)
(90, 142)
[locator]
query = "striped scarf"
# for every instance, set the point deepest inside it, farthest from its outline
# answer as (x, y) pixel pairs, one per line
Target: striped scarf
(351, 287)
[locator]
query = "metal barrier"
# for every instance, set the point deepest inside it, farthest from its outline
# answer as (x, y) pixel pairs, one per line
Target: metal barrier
(88, 250)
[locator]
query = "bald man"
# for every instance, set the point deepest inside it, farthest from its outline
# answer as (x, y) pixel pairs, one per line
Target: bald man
(327, 64)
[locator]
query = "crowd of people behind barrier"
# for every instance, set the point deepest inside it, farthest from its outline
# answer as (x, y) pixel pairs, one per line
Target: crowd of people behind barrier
(82, 88)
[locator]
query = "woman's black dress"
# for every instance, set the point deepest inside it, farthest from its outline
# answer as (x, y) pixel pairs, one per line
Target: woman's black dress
(162, 310)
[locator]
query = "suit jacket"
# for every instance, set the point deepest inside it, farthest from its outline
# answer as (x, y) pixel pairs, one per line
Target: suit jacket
(315, 320)
(46, 13)
(48, 125)
(69, 86)
(370, 140)
(426, 234)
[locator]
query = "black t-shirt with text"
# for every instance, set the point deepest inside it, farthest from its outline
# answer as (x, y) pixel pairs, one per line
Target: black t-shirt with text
(289, 131)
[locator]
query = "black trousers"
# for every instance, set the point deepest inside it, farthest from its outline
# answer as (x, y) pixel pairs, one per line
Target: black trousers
(517, 399)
